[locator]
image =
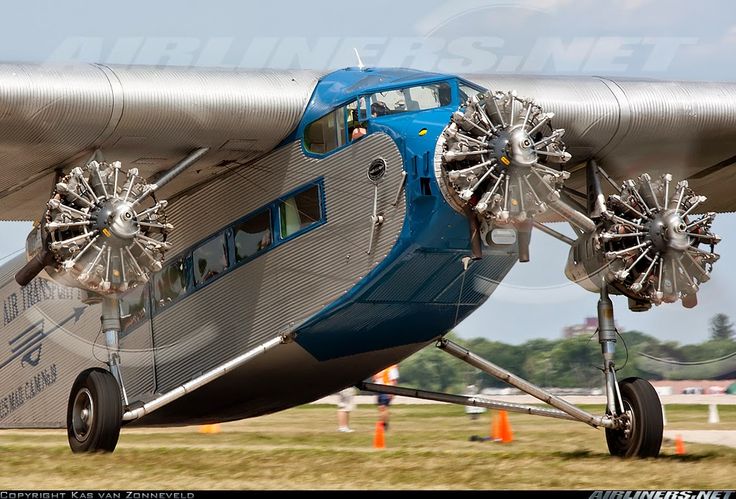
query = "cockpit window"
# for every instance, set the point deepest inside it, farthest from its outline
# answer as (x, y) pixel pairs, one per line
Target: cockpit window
(417, 98)
(327, 133)
(344, 124)
(466, 92)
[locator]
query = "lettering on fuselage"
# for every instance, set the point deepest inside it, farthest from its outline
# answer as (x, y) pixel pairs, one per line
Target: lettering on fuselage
(27, 391)
(35, 292)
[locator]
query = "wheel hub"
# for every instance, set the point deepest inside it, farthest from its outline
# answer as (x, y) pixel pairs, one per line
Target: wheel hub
(82, 414)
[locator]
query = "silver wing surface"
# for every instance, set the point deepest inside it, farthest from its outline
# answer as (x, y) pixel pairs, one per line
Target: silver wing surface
(636, 126)
(146, 117)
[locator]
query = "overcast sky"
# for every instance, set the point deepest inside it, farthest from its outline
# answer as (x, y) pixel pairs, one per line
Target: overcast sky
(637, 38)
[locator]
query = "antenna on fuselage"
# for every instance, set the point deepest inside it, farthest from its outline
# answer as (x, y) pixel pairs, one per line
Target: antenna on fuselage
(360, 61)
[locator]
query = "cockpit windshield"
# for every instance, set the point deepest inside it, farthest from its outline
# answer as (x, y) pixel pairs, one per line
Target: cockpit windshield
(416, 98)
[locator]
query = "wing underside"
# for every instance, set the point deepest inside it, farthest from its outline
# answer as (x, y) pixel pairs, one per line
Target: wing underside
(146, 117)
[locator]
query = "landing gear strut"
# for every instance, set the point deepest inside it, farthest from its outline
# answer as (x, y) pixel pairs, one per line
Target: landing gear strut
(633, 402)
(95, 411)
(633, 419)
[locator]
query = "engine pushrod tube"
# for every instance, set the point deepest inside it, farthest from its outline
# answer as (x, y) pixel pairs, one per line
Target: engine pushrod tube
(490, 368)
(477, 401)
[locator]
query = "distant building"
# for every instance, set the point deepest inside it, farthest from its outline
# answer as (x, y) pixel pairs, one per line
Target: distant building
(587, 328)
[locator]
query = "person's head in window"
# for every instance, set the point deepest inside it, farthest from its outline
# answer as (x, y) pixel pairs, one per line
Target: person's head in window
(379, 108)
(443, 94)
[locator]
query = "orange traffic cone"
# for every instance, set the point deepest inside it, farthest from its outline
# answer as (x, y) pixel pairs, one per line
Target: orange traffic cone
(507, 436)
(496, 427)
(379, 440)
(679, 445)
(209, 428)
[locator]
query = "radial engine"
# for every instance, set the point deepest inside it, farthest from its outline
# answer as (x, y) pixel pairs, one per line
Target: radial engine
(96, 233)
(501, 163)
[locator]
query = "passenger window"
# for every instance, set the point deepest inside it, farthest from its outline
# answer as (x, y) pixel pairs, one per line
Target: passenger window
(252, 235)
(134, 307)
(209, 259)
(299, 211)
(170, 283)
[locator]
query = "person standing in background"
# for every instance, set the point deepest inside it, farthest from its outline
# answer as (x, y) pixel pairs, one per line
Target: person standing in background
(345, 405)
(388, 376)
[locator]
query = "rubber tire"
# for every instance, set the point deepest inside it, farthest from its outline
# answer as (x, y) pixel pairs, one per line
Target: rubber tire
(108, 412)
(645, 439)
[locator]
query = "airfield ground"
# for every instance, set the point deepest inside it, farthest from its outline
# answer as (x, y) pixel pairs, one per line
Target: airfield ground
(427, 447)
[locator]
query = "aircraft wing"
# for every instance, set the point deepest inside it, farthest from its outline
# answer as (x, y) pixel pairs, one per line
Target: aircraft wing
(146, 117)
(636, 126)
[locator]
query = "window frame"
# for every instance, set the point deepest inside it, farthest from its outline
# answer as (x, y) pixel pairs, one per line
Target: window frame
(319, 184)
(187, 258)
(453, 83)
(229, 233)
(234, 226)
(147, 304)
(221, 233)
(346, 140)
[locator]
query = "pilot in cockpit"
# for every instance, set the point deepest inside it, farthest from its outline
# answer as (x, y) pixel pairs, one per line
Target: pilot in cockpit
(379, 108)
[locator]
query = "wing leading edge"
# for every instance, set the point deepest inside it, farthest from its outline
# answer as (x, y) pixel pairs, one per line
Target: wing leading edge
(636, 126)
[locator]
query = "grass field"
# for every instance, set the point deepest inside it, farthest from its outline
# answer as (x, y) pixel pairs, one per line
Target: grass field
(427, 447)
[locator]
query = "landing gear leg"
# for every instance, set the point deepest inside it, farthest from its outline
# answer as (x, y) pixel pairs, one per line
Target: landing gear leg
(111, 326)
(95, 410)
(633, 402)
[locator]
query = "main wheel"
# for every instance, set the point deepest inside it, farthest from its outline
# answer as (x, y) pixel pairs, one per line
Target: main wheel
(642, 435)
(94, 414)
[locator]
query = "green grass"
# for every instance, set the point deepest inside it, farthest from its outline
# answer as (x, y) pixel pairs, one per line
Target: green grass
(428, 447)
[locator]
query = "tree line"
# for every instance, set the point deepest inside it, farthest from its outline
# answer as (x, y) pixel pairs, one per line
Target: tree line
(575, 362)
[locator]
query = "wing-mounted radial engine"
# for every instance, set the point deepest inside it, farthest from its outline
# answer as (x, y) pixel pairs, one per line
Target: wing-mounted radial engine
(648, 245)
(103, 231)
(500, 160)
(96, 232)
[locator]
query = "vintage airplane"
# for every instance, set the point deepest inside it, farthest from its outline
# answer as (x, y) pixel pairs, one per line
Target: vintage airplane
(318, 227)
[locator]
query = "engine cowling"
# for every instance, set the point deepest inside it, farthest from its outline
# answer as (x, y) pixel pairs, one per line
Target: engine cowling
(648, 245)
(95, 234)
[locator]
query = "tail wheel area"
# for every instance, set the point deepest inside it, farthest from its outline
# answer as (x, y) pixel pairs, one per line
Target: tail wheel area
(641, 435)
(94, 414)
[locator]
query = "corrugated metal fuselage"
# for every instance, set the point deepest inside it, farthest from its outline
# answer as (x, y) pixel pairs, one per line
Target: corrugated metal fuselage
(351, 312)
